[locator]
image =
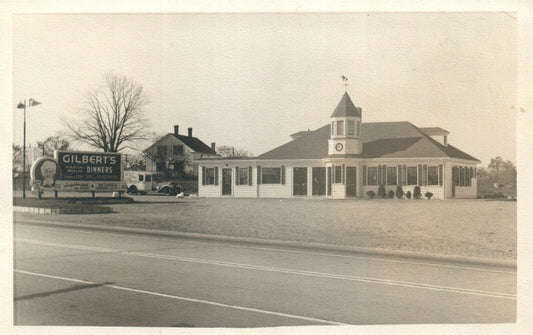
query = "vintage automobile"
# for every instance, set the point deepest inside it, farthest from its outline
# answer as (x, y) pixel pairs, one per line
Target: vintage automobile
(169, 188)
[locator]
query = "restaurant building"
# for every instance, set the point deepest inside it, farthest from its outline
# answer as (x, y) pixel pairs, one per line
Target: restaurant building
(345, 159)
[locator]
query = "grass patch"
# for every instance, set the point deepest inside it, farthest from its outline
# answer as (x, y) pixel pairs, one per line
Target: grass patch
(70, 203)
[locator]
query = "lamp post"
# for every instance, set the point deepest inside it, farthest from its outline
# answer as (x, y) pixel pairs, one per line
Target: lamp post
(22, 105)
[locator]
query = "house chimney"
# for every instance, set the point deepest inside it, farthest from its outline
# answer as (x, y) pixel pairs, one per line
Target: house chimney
(176, 129)
(213, 146)
(190, 132)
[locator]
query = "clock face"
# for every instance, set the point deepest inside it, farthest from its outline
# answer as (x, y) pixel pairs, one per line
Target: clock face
(338, 146)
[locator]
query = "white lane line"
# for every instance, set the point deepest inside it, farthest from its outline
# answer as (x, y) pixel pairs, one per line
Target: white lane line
(207, 302)
(287, 251)
(283, 270)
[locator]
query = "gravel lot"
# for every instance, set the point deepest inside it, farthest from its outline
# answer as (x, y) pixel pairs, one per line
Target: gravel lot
(480, 228)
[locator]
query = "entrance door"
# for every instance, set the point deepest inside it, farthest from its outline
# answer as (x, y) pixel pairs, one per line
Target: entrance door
(319, 181)
(226, 181)
(299, 183)
(351, 181)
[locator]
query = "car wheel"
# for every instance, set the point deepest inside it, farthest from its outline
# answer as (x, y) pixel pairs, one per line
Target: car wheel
(132, 189)
(165, 190)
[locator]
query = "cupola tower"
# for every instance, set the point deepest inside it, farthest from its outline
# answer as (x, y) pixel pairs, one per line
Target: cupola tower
(345, 135)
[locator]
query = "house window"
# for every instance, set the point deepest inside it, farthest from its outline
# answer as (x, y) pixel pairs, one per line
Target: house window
(350, 127)
(148, 178)
(177, 150)
(141, 177)
(162, 151)
(340, 127)
(338, 174)
(332, 128)
(209, 178)
(358, 128)
(271, 175)
(412, 175)
(392, 176)
(243, 176)
(433, 175)
(160, 166)
(178, 166)
(372, 173)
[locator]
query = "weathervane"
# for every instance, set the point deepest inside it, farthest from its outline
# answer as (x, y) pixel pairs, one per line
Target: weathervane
(345, 81)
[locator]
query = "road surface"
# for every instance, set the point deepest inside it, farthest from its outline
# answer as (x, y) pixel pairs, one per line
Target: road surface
(86, 277)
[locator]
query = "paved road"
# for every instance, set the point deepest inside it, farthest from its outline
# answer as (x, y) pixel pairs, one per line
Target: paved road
(73, 276)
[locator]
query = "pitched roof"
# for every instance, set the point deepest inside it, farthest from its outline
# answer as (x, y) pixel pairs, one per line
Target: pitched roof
(346, 108)
(192, 142)
(380, 140)
(195, 144)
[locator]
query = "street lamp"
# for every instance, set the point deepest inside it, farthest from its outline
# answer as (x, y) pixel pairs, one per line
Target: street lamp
(22, 105)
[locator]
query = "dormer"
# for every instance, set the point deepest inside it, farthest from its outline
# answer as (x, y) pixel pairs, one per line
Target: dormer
(438, 134)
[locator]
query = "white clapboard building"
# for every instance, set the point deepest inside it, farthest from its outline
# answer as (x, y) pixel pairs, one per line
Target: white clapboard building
(345, 159)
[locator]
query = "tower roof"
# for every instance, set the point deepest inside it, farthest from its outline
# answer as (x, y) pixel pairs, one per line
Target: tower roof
(346, 108)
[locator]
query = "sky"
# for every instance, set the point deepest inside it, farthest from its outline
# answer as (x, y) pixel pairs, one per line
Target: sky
(251, 80)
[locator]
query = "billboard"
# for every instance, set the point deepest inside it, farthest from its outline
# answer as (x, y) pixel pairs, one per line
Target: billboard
(89, 166)
(79, 171)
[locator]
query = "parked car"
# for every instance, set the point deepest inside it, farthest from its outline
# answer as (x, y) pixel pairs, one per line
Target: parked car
(169, 188)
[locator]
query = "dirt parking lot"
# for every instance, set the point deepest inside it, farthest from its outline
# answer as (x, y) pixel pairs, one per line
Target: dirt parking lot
(480, 228)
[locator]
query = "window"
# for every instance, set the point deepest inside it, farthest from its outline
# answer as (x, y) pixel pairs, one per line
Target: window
(177, 150)
(340, 127)
(358, 128)
(243, 176)
(148, 178)
(412, 175)
(141, 177)
(372, 173)
(161, 151)
(338, 174)
(209, 177)
(433, 175)
(177, 166)
(271, 175)
(333, 128)
(392, 175)
(350, 127)
(160, 166)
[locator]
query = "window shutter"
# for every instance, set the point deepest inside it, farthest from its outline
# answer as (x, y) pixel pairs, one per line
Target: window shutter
(342, 174)
(384, 174)
(440, 175)
(250, 175)
(379, 175)
(237, 175)
(283, 174)
(332, 174)
(258, 175)
(203, 175)
(425, 175)
(419, 175)
(216, 175)
(364, 175)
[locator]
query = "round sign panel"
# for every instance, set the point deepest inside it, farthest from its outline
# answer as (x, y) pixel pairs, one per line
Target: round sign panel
(45, 171)
(339, 146)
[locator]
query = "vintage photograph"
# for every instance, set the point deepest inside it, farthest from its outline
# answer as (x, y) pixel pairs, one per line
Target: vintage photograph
(264, 170)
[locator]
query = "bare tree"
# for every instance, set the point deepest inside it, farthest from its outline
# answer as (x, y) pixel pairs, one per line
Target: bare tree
(53, 143)
(115, 115)
(242, 153)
